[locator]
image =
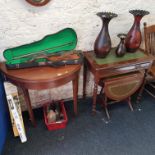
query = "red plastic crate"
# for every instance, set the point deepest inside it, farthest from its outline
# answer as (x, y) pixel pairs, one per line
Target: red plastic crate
(59, 124)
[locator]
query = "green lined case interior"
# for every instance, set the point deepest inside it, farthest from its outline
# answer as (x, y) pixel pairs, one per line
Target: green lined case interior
(64, 40)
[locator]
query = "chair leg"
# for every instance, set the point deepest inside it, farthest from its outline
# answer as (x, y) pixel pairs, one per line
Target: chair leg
(129, 103)
(149, 93)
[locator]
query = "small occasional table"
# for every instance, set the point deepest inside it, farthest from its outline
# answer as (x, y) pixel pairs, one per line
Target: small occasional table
(42, 78)
(112, 66)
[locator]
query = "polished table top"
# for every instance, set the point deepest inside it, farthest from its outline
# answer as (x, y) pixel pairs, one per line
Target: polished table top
(40, 75)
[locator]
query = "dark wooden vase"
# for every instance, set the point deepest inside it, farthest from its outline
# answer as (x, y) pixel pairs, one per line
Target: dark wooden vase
(121, 48)
(133, 39)
(102, 44)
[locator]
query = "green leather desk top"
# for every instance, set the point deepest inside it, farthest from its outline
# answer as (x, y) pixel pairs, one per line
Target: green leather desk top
(112, 58)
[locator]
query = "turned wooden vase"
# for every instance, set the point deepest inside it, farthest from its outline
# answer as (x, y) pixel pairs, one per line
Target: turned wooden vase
(121, 48)
(133, 39)
(102, 44)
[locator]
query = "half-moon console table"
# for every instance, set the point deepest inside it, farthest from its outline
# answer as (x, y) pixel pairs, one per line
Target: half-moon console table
(42, 78)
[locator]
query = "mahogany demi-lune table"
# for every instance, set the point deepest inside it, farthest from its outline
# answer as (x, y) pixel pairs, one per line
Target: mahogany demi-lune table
(113, 66)
(39, 78)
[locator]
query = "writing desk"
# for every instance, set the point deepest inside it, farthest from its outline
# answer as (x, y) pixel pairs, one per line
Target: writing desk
(112, 66)
(42, 78)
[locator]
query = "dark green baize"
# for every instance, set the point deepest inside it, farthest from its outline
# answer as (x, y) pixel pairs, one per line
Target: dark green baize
(112, 58)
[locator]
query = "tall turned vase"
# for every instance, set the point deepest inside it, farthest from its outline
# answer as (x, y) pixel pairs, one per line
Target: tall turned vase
(133, 39)
(102, 44)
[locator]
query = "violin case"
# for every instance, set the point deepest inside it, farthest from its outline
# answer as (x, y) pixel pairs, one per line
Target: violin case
(37, 53)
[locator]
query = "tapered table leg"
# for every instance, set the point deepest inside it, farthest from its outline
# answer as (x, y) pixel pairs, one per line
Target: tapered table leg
(29, 107)
(84, 78)
(75, 93)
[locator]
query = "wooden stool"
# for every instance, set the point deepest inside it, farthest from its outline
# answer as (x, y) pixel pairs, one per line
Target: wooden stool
(120, 88)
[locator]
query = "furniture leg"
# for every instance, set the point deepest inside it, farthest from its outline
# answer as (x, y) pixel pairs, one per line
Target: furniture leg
(95, 96)
(29, 107)
(106, 109)
(84, 78)
(103, 100)
(107, 113)
(129, 103)
(149, 93)
(75, 93)
(141, 88)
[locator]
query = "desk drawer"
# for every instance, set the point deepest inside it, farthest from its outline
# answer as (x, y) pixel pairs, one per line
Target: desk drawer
(134, 67)
(123, 69)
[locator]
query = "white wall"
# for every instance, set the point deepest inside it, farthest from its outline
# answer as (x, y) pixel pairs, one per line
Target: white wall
(21, 23)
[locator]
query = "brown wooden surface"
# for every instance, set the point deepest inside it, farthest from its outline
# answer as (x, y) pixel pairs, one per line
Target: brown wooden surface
(122, 87)
(149, 35)
(112, 69)
(42, 78)
(152, 71)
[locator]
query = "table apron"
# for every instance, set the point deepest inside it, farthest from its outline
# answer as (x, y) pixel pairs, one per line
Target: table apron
(122, 70)
(43, 85)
